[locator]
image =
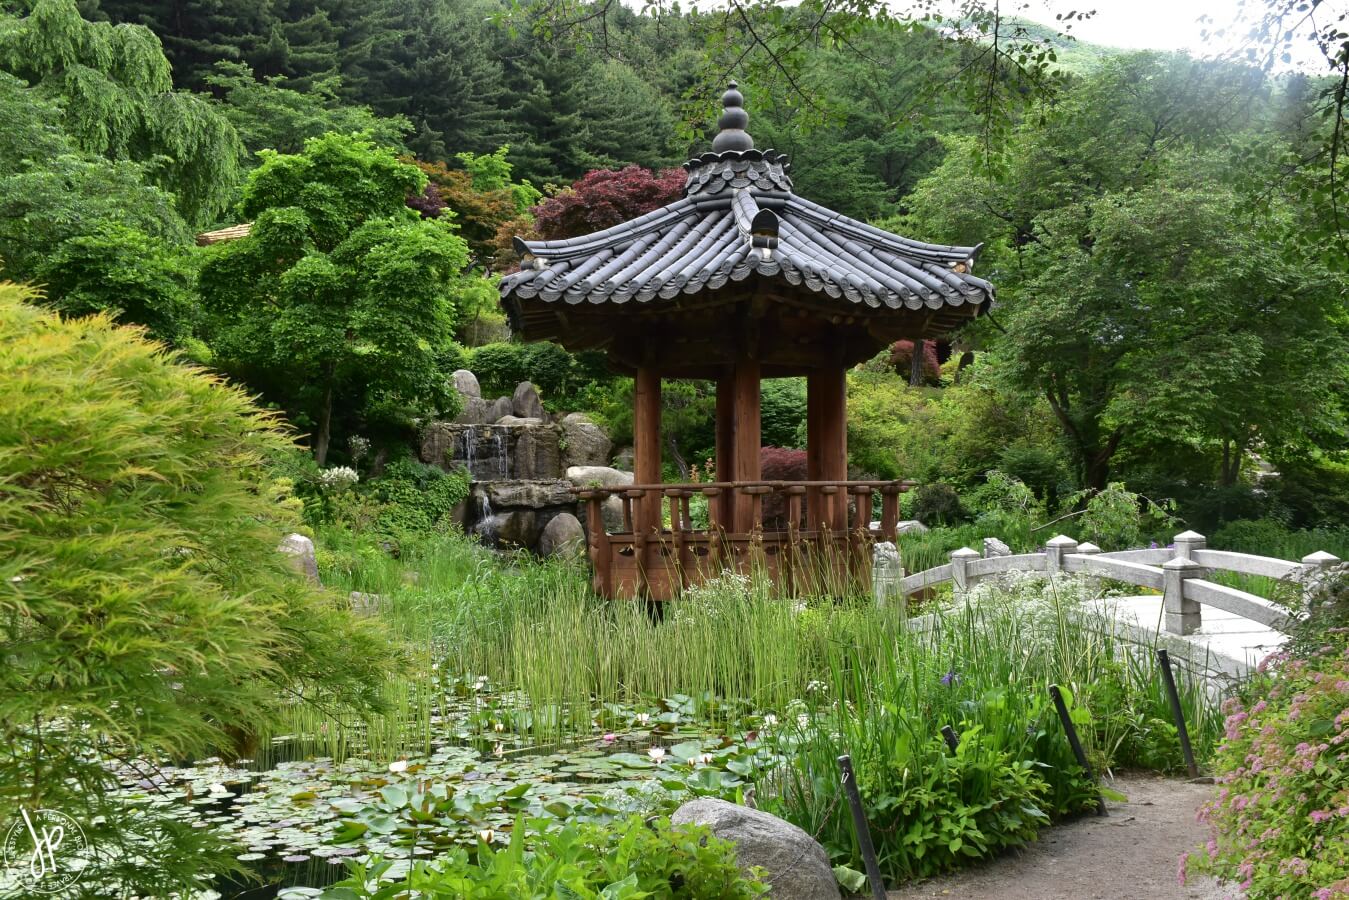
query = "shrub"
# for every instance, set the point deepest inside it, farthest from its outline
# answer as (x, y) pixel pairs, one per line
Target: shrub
(500, 367)
(602, 199)
(1280, 821)
(625, 861)
(777, 464)
(418, 497)
(937, 504)
(901, 360)
(145, 610)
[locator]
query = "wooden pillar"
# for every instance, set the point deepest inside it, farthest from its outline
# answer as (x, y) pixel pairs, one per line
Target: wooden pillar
(725, 502)
(747, 438)
(815, 501)
(827, 441)
(646, 448)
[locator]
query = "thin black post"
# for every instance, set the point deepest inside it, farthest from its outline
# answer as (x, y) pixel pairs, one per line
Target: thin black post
(859, 823)
(949, 734)
(1177, 713)
(1057, 696)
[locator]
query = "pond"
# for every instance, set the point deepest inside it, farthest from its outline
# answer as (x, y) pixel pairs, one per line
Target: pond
(298, 816)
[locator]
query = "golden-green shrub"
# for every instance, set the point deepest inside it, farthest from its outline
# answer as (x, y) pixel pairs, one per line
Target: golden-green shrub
(145, 613)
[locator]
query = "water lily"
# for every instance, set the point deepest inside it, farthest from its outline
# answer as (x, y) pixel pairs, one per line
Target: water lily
(656, 753)
(398, 765)
(643, 718)
(770, 720)
(486, 835)
(706, 759)
(498, 727)
(609, 738)
(499, 750)
(219, 790)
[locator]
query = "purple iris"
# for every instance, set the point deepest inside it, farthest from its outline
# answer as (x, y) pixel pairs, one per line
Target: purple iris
(950, 678)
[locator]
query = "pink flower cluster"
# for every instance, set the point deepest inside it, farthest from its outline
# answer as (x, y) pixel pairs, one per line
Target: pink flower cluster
(1280, 819)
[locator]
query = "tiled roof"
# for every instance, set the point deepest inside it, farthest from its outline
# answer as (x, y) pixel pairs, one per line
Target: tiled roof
(740, 218)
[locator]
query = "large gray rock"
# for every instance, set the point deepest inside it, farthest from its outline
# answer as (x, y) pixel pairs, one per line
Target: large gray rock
(499, 409)
(562, 536)
(473, 413)
(797, 866)
(584, 442)
(439, 443)
(513, 528)
(537, 453)
(300, 551)
(597, 476)
(526, 402)
(466, 383)
(517, 421)
(624, 459)
(527, 494)
(603, 476)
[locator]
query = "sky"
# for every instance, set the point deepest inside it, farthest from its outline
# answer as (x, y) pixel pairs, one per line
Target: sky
(1166, 24)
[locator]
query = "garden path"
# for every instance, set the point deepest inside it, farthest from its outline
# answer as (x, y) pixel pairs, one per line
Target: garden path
(1131, 854)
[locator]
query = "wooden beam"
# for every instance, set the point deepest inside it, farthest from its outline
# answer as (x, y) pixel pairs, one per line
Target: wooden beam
(646, 446)
(747, 438)
(722, 506)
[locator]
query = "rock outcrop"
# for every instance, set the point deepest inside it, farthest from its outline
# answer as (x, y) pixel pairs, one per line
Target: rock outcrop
(563, 536)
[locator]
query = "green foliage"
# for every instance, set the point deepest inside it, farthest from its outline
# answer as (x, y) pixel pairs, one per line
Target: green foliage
(418, 497)
(269, 114)
(937, 504)
(126, 273)
(501, 366)
(492, 172)
(782, 412)
(630, 860)
(341, 296)
(146, 611)
(1278, 823)
(117, 100)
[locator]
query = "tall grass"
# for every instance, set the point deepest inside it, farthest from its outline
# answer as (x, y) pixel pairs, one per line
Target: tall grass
(983, 669)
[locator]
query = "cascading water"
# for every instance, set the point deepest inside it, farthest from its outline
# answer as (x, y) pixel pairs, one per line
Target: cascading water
(503, 458)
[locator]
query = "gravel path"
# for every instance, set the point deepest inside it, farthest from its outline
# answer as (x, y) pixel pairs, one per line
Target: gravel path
(1131, 854)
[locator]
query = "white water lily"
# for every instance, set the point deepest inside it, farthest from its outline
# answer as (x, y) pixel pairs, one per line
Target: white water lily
(643, 718)
(398, 765)
(706, 759)
(486, 835)
(219, 790)
(499, 750)
(498, 727)
(656, 753)
(770, 720)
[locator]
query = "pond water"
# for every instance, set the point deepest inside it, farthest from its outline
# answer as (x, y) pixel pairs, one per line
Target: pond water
(298, 817)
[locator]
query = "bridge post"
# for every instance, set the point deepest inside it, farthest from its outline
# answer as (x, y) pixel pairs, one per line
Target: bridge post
(1091, 582)
(1056, 548)
(1315, 567)
(1181, 616)
(960, 573)
(1187, 542)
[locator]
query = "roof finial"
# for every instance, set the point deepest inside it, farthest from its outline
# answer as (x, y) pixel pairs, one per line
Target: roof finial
(732, 135)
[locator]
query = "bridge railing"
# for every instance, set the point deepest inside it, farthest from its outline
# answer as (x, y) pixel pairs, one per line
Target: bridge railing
(1180, 572)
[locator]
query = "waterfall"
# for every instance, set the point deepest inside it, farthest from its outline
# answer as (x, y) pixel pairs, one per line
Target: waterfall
(503, 459)
(469, 440)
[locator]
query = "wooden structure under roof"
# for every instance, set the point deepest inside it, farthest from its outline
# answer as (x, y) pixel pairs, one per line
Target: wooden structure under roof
(739, 280)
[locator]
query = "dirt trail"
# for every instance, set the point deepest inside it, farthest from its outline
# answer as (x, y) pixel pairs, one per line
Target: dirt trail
(1131, 854)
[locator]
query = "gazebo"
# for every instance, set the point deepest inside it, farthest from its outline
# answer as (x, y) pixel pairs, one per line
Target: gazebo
(739, 280)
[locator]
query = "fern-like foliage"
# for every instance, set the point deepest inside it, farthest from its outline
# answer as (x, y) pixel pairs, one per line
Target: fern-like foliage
(145, 614)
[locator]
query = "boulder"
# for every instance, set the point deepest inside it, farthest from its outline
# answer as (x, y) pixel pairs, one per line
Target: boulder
(517, 421)
(537, 452)
(597, 476)
(526, 403)
(365, 605)
(623, 459)
(300, 549)
(797, 866)
(603, 476)
(584, 443)
(466, 383)
(473, 413)
(498, 409)
(440, 443)
(562, 536)
(504, 495)
(512, 528)
(910, 526)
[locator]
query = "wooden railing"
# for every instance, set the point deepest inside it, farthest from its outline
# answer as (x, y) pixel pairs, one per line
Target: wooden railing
(1179, 572)
(659, 548)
